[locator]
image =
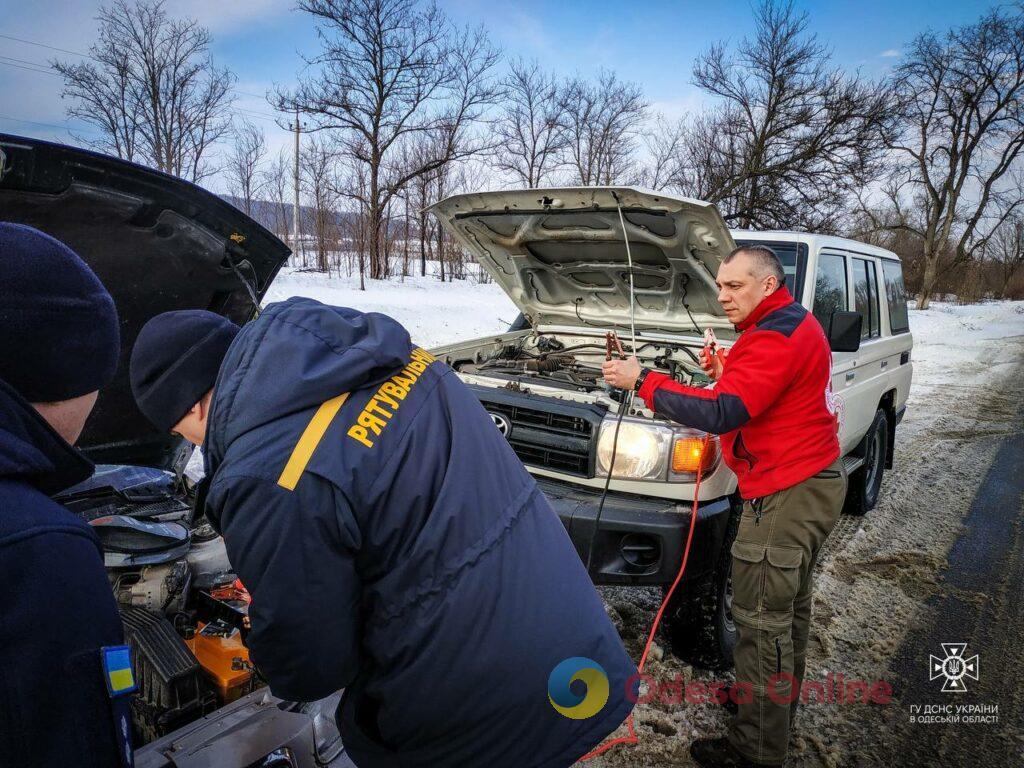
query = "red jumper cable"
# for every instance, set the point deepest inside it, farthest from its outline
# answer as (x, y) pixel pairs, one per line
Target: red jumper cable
(711, 347)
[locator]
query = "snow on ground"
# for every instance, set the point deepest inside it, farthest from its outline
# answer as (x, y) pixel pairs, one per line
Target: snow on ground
(959, 346)
(874, 573)
(953, 345)
(435, 313)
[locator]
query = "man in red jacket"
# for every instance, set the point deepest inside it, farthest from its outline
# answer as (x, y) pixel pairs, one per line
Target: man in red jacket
(772, 405)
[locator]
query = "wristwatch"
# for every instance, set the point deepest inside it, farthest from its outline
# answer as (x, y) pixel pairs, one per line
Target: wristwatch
(640, 379)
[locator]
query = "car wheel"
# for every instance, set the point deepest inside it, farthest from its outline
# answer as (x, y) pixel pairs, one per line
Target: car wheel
(865, 483)
(700, 629)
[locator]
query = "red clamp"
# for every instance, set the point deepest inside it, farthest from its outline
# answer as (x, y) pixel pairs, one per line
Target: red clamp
(612, 344)
(712, 347)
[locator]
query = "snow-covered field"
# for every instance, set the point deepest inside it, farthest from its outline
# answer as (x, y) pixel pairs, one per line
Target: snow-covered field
(950, 341)
(875, 574)
(435, 313)
(959, 347)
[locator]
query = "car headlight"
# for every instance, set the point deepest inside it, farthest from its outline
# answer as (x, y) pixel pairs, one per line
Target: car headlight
(648, 451)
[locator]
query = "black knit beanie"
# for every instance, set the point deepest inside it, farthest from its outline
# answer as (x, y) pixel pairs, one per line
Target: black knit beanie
(175, 362)
(59, 334)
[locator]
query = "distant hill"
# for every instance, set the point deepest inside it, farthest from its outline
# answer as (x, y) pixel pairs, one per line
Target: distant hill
(268, 213)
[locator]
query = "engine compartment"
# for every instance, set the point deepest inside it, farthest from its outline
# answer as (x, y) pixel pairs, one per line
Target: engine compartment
(570, 361)
(184, 612)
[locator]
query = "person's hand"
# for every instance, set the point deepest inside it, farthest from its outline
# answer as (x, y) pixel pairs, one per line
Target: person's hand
(712, 364)
(621, 373)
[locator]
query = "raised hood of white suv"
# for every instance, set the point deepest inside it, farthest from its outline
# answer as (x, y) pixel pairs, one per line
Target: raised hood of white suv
(560, 254)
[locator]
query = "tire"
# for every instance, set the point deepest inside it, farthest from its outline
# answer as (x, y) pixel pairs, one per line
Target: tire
(865, 483)
(700, 629)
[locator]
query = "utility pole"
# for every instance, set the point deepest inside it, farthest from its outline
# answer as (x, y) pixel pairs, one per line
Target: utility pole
(296, 232)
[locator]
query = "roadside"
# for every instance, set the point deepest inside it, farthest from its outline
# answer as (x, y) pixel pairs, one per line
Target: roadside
(435, 313)
(881, 580)
(883, 585)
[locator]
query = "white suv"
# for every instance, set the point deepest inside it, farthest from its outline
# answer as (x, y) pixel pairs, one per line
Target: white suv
(561, 257)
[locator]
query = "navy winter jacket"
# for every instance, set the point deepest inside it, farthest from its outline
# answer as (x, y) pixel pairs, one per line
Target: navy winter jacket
(395, 546)
(56, 606)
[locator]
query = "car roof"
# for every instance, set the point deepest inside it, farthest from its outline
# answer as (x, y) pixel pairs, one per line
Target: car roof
(814, 240)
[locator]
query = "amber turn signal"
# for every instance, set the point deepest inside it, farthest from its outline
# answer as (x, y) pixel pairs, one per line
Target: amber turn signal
(689, 453)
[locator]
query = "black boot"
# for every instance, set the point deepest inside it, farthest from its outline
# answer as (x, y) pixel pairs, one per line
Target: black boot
(729, 705)
(719, 753)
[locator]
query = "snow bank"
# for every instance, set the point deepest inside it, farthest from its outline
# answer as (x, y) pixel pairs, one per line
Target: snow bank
(434, 312)
(956, 347)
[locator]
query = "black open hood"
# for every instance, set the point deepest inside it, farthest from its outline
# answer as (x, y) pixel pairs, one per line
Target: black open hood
(157, 242)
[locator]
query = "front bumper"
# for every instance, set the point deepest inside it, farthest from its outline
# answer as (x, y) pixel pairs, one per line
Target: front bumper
(640, 540)
(256, 731)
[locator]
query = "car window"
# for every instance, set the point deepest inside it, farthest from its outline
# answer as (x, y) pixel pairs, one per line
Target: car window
(830, 290)
(865, 297)
(794, 261)
(895, 296)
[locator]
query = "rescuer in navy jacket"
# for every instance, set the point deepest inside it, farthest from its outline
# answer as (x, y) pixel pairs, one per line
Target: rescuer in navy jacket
(392, 541)
(59, 344)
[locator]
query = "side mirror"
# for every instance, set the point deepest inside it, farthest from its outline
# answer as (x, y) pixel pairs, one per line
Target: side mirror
(844, 331)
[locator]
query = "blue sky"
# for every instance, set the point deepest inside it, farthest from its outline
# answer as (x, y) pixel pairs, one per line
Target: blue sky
(652, 43)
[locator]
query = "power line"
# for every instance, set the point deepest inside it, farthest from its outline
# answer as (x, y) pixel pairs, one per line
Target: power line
(27, 69)
(44, 45)
(67, 128)
(89, 56)
(30, 66)
(26, 65)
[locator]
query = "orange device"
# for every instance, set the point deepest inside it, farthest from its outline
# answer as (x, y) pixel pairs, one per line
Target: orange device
(225, 660)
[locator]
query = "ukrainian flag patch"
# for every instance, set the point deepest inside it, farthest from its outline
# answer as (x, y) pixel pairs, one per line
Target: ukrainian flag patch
(117, 670)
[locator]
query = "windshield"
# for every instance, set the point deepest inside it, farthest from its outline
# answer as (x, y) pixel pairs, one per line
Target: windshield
(794, 260)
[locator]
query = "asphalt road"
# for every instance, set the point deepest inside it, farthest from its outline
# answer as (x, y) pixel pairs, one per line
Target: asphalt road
(980, 603)
(940, 560)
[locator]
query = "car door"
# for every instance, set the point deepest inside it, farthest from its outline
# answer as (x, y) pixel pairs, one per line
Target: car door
(863, 383)
(899, 368)
(831, 293)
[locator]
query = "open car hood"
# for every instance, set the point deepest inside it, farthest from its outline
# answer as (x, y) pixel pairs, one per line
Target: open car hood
(560, 254)
(157, 242)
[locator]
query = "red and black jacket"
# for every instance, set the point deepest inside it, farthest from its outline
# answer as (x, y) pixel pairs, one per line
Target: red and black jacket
(772, 405)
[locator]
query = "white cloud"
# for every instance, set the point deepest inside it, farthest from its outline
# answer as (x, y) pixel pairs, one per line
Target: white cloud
(226, 16)
(891, 53)
(692, 101)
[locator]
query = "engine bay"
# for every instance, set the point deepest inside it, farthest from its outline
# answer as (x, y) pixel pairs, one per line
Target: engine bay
(185, 614)
(570, 361)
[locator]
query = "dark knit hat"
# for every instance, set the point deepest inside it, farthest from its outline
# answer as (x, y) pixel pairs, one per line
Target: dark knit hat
(175, 362)
(59, 335)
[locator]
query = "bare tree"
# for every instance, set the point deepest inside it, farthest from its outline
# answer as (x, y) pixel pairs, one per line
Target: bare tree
(245, 181)
(790, 139)
(274, 179)
(151, 88)
(392, 69)
(963, 103)
(529, 130)
(664, 140)
(709, 153)
(318, 168)
(601, 122)
(421, 189)
(1006, 249)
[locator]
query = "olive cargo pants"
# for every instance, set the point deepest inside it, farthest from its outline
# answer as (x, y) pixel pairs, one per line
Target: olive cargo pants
(774, 553)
